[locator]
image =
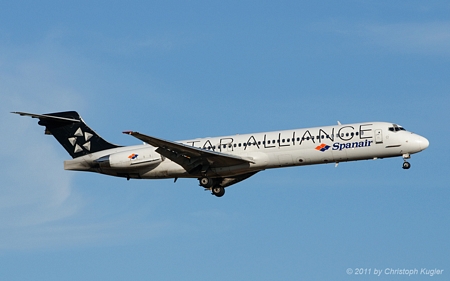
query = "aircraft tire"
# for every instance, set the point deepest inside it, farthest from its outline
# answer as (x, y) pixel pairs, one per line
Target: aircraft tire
(206, 182)
(218, 191)
(406, 165)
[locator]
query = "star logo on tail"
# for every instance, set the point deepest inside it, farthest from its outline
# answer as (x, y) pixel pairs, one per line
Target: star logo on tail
(84, 142)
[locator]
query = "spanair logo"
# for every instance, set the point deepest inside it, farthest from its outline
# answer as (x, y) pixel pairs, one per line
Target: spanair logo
(133, 156)
(323, 147)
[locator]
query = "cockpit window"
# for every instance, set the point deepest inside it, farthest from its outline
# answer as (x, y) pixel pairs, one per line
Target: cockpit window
(396, 128)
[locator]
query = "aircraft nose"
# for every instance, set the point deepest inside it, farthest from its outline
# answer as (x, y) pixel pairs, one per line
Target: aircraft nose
(423, 142)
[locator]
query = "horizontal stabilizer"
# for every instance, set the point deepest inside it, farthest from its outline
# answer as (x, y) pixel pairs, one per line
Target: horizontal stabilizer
(45, 116)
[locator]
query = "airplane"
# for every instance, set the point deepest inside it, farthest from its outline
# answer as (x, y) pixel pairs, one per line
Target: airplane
(219, 162)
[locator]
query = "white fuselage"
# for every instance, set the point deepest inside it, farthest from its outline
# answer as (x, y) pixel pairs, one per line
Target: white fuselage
(267, 150)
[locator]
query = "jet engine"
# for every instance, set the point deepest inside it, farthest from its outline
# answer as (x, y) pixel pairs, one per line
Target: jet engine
(130, 159)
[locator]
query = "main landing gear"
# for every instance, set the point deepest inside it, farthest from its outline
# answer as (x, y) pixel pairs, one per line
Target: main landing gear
(213, 185)
(218, 191)
(406, 164)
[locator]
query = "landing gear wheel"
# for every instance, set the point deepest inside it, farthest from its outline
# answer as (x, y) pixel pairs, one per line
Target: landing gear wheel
(206, 182)
(218, 191)
(406, 165)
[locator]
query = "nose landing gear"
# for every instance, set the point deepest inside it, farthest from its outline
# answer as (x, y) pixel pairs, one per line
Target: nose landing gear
(406, 164)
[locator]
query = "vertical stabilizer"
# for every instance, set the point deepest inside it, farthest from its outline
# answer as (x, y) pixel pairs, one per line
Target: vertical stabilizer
(71, 132)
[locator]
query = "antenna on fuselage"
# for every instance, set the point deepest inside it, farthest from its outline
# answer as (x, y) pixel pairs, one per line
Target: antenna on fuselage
(339, 123)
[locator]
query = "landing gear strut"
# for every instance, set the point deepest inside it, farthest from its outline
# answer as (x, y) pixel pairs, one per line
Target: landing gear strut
(406, 164)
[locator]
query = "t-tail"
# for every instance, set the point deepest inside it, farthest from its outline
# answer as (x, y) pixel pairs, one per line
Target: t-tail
(71, 132)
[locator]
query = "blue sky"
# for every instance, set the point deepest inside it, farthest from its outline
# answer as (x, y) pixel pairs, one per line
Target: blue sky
(179, 70)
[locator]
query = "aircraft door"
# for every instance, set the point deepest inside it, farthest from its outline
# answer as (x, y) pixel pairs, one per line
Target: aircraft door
(378, 136)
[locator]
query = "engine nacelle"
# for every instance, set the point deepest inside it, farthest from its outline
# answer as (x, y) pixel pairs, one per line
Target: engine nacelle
(130, 159)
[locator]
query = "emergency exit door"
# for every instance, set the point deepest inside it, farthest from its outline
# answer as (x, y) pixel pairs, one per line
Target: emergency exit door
(378, 136)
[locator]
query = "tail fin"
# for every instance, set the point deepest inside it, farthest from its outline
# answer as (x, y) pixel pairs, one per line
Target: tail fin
(71, 132)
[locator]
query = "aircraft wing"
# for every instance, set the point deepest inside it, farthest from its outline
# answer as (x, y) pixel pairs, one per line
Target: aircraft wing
(189, 157)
